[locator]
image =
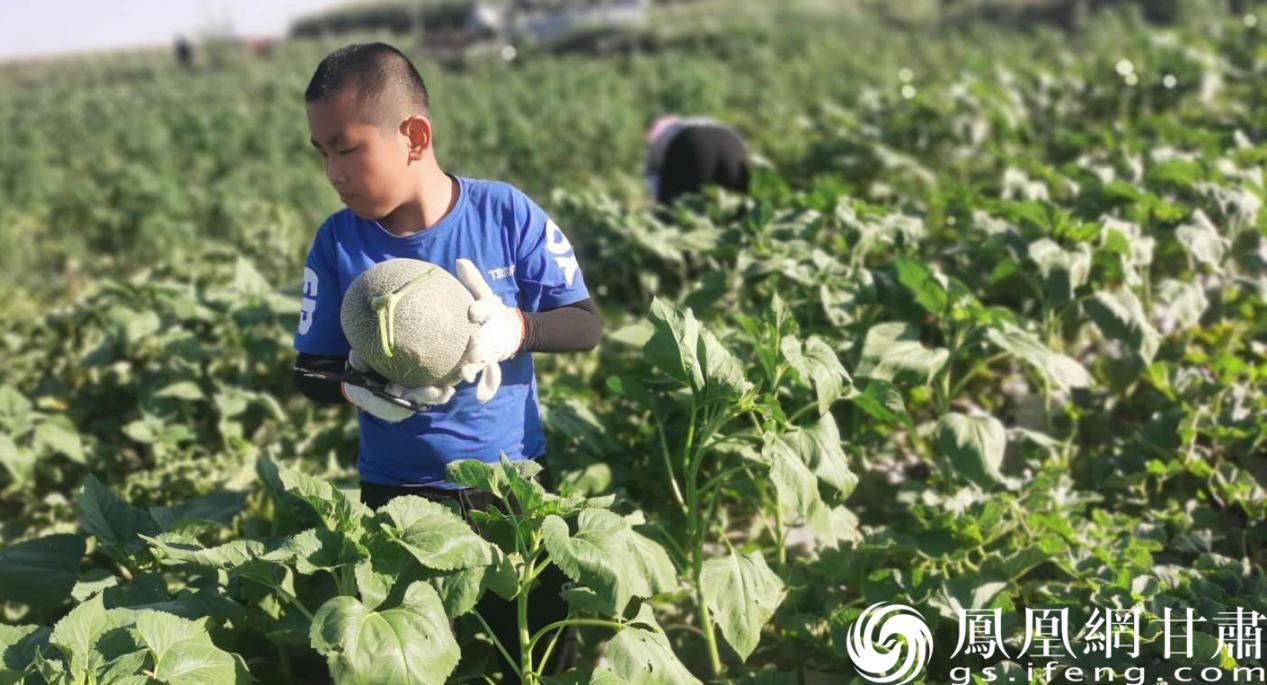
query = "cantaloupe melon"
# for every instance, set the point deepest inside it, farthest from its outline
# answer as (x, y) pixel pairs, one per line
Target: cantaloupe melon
(407, 319)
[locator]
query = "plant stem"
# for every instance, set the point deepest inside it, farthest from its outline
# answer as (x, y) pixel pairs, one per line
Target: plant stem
(345, 581)
(710, 635)
(778, 534)
(497, 643)
(525, 643)
(668, 467)
(797, 414)
(294, 601)
(559, 625)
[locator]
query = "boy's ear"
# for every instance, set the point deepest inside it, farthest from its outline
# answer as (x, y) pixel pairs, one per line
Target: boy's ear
(418, 130)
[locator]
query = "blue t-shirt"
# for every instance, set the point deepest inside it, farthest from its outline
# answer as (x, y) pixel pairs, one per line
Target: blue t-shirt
(525, 259)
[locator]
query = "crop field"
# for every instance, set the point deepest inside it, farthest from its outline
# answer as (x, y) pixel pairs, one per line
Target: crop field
(987, 339)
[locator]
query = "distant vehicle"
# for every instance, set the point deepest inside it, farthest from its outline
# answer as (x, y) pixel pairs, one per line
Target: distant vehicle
(557, 25)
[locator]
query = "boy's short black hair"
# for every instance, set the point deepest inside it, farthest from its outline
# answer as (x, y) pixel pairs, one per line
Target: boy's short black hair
(386, 82)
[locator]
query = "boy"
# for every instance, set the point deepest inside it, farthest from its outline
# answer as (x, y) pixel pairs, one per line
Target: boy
(369, 117)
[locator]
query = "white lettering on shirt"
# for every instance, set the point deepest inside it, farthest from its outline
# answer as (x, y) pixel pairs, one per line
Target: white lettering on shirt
(558, 244)
(501, 272)
(309, 303)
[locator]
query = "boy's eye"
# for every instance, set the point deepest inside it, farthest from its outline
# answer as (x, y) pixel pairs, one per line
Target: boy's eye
(348, 151)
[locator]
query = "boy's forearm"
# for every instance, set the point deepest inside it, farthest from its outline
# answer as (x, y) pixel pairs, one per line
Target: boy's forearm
(573, 328)
(318, 389)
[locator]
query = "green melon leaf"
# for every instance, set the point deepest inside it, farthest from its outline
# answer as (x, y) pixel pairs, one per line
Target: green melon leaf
(434, 535)
(641, 655)
(742, 593)
(20, 463)
(892, 351)
(607, 556)
(923, 285)
(40, 572)
(883, 401)
(1120, 316)
(411, 644)
(183, 652)
(58, 435)
(109, 518)
(818, 365)
(797, 488)
(975, 446)
(1061, 370)
(18, 648)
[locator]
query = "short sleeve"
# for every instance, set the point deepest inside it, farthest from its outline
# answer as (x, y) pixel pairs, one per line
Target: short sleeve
(320, 330)
(546, 268)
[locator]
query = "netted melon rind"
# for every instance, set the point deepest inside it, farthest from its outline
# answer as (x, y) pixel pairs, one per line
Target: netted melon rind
(431, 325)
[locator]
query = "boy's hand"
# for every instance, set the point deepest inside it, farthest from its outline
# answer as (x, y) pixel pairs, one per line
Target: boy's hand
(391, 413)
(499, 337)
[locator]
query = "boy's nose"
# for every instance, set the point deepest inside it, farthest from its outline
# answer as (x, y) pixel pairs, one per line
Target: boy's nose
(336, 176)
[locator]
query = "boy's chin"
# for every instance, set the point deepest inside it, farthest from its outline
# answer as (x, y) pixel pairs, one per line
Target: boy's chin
(364, 212)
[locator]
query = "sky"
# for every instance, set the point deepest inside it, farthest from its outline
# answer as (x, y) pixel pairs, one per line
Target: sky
(31, 28)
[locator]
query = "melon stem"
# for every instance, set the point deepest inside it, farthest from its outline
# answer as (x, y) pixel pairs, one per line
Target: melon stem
(385, 305)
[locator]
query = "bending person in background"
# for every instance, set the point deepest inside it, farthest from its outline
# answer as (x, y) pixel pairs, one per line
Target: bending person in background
(684, 154)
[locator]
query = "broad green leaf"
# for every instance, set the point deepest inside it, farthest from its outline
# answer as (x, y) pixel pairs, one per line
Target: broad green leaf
(1120, 316)
(40, 572)
(673, 343)
(93, 581)
(183, 652)
(126, 670)
(434, 535)
(742, 593)
(58, 435)
(13, 403)
(819, 447)
(226, 557)
(965, 593)
(607, 556)
(219, 507)
(975, 446)
(411, 644)
(18, 647)
(319, 549)
(892, 351)
(248, 280)
(388, 564)
(797, 488)
(920, 280)
(635, 335)
(883, 401)
(1061, 370)
(1202, 241)
(110, 519)
(135, 326)
(818, 365)
(337, 510)
(1062, 271)
(1178, 304)
(473, 473)
(641, 655)
(459, 590)
(20, 463)
(182, 390)
(691, 355)
(77, 634)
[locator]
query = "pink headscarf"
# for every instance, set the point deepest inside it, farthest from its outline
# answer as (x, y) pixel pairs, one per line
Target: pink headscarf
(659, 125)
